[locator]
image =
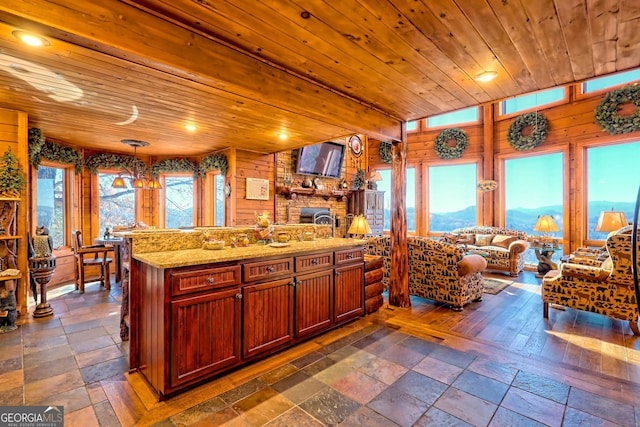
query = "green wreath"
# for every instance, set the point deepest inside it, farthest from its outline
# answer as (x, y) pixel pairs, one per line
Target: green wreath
(539, 125)
(607, 116)
(214, 161)
(444, 150)
(385, 152)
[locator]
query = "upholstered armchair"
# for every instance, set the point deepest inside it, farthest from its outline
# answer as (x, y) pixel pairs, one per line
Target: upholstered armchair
(442, 272)
(438, 271)
(604, 289)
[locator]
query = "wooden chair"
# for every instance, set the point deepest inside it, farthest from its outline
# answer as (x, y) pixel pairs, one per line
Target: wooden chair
(88, 256)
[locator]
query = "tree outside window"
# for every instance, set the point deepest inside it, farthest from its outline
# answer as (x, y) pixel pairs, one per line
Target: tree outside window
(117, 205)
(51, 202)
(179, 193)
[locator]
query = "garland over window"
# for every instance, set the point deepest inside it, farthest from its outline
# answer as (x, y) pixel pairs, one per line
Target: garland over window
(174, 165)
(115, 161)
(446, 151)
(539, 126)
(607, 116)
(385, 151)
(36, 142)
(214, 161)
(57, 153)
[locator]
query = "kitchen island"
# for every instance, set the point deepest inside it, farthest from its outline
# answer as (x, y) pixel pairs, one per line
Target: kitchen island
(197, 313)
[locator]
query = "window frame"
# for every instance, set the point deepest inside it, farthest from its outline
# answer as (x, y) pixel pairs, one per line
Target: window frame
(71, 205)
(478, 120)
(209, 203)
(501, 115)
(581, 94)
(426, 209)
(163, 196)
(95, 201)
(582, 199)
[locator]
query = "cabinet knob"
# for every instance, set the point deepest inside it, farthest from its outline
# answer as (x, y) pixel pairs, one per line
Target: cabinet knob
(269, 269)
(337, 273)
(315, 261)
(210, 279)
(238, 296)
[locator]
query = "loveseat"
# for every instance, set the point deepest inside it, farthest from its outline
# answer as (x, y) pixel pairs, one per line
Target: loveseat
(438, 271)
(605, 289)
(503, 249)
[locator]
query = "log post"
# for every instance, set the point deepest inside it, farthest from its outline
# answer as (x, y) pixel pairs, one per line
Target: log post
(399, 271)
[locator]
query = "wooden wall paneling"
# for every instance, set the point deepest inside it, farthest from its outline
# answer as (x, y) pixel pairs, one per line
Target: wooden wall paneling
(14, 137)
(253, 165)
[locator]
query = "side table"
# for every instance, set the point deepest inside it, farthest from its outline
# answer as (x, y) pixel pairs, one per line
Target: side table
(117, 243)
(544, 255)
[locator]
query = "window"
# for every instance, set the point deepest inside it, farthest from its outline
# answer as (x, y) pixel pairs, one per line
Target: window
(452, 197)
(51, 201)
(612, 182)
(117, 205)
(602, 83)
(534, 187)
(533, 100)
(178, 199)
(410, 197)
(412, 126)
(466, 115)
(218, 198)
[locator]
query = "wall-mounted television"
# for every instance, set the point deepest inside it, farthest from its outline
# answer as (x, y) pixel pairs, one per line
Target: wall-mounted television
(323, 159)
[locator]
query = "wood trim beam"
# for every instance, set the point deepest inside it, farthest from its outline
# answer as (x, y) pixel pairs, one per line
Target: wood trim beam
(123, 31)
(399, 270)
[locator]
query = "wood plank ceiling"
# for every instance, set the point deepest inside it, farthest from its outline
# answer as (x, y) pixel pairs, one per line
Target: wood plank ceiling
(245, 71)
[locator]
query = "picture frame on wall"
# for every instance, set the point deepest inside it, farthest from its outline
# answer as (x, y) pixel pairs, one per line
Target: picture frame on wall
(257, 189)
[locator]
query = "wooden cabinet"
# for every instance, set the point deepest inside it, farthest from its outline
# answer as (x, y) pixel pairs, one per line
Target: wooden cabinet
(191, 323)
(268, 316)
(349, 284)
(314, 296)
(369, 203)
(205, 334)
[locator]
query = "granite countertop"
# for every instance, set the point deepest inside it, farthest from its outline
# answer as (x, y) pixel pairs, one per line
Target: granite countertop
(191, 257)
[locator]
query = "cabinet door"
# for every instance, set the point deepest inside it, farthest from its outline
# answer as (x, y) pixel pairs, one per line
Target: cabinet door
(268, 316)
(314, 294)
(205, 334)
(349, 292)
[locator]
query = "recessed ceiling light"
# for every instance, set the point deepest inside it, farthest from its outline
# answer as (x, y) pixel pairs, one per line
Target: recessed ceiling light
(485, 76)
(283, 136)
(30, 38)
(190, 127)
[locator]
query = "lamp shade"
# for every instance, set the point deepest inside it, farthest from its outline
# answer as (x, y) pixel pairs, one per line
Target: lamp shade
(375, 176)
(359, 226)
(118, 182)
(546, 224)
(611, 221)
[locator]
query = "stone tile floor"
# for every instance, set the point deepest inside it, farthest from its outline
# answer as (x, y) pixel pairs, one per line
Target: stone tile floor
(376, 376)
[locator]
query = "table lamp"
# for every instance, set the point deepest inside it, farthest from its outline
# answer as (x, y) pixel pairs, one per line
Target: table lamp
(610, 221)
(546, 224)
(372, 184)
(359, 226)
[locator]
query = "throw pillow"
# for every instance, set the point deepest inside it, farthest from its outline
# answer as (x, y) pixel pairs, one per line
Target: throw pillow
(503, 240)
(483, 239)
(607, 264)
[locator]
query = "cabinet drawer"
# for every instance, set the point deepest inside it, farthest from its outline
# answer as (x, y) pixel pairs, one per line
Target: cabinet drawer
(312, 262)
(198, 280)
(348, 256)
(265, 269)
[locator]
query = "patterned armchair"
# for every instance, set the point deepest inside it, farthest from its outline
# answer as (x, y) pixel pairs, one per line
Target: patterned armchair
(604, 289)
(437, 270)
